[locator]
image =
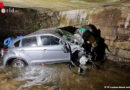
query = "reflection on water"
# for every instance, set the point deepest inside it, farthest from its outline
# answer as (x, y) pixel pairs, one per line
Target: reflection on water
(59, 77)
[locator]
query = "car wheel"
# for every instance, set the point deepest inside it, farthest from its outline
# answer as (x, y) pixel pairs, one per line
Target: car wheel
(18, 63)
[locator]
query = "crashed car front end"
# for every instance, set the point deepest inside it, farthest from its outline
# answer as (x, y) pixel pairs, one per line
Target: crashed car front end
(77, 51)
(86, 44)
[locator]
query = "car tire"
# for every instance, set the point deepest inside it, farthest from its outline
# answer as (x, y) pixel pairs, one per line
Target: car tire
(18, 63)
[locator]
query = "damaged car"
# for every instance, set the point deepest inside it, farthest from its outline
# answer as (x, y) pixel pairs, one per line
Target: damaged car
(49, 47)
(56, 45)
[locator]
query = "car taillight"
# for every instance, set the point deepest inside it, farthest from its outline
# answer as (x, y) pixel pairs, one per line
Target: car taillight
(5, 51)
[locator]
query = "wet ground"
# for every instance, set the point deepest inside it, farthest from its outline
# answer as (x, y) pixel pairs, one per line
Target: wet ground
(59, 77)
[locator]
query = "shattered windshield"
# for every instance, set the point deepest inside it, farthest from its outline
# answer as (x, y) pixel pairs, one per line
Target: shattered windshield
(66, 35)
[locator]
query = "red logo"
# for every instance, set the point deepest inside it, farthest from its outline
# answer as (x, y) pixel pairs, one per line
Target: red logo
(2, 9)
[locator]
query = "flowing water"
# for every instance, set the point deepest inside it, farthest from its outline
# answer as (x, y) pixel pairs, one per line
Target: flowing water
(59, 77)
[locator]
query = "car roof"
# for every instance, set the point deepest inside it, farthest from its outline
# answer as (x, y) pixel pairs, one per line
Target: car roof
(45, 31)
(49, 31)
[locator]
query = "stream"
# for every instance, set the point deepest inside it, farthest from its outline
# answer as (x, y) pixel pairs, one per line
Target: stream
(59, 77)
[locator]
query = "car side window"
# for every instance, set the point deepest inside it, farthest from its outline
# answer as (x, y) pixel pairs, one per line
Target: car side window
(29, 42)
(16, 44)
(49, 40)
(45, 40)
(54, 40)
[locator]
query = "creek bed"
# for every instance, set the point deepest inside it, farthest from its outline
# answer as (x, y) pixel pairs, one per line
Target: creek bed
(59, 77)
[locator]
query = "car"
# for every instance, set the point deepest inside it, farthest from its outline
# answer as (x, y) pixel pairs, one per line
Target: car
(42, 47)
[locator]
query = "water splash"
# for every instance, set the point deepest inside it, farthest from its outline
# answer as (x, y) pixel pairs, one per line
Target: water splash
(38, 75)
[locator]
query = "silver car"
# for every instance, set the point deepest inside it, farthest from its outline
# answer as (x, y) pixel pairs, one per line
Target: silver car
(40, 48)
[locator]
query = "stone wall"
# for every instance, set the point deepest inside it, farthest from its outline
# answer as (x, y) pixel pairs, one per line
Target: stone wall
(73, 17)
(114, 23)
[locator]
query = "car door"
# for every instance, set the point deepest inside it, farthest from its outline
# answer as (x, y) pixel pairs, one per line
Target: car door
(30, 49)
(53, 51)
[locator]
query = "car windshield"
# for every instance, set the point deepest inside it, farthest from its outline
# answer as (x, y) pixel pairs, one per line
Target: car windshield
(66, 35)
